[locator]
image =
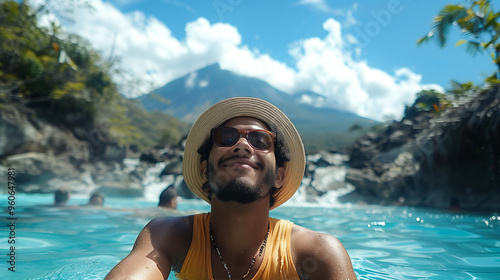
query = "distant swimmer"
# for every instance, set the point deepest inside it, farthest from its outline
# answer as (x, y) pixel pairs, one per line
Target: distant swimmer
(96, 199)
(167, 206)
(454, 204)
(168, 198)
(61, 197)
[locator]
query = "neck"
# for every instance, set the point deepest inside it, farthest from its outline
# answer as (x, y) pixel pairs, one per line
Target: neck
(239, 230)
(235, 221)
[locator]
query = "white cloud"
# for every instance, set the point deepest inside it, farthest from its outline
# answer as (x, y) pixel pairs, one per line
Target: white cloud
(147, 47)
(191, 80)
(350, 20)
(327, 67)
(150, 52)
(245, 62)
(203, 83)
(320, 5)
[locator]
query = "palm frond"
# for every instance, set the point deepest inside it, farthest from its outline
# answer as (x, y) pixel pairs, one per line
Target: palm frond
(473, 48)
(446, 17)
(491, 20)
(491, 42)
(424, 39)
(460, 42)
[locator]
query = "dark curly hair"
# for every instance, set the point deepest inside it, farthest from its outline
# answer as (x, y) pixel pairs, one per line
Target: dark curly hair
(280, 150)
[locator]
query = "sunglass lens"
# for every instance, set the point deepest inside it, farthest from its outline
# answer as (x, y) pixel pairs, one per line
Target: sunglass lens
(260, 140)
(226, 136)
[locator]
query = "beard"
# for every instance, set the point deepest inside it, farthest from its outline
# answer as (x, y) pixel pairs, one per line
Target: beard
(237, 190)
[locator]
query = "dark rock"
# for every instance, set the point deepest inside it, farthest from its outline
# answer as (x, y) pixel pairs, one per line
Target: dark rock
(427, 159)
(183, 190)
(174, 168)
(150, 157)
(35, 170)
(20, 134)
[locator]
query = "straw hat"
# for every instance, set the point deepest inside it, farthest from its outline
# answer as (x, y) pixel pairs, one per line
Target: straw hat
(230, 108)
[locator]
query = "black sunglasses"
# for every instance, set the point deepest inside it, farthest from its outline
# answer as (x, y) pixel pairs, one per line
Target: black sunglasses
(228, 136)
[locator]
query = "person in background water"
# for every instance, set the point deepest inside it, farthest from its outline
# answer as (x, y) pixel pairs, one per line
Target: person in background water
(61, 197)
(244, 157)
(168, 198)
(96, 199)
(454, 204)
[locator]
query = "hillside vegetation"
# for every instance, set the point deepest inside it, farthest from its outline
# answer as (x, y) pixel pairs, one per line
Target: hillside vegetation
(60, 78)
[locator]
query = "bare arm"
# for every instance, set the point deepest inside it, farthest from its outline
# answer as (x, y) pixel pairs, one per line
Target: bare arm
(320, 256)
(155, 250)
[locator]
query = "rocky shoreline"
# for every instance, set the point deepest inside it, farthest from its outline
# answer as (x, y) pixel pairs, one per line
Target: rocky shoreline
(423, 160)
(433, 160)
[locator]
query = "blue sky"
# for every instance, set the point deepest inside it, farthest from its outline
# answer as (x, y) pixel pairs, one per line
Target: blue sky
(360, 56)
(386, 42)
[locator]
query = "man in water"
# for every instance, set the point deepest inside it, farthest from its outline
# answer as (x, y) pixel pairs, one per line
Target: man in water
(96, 199)
(168, 198)
(61, 197)
(244, 157)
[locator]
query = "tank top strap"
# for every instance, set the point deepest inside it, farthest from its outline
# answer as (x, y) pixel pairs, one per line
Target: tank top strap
(278, 261)
(197, 264)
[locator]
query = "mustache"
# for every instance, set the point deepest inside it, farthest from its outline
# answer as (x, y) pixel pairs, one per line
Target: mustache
(222, 160)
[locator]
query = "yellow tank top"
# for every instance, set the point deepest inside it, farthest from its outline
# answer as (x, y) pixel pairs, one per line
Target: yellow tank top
(277, 262)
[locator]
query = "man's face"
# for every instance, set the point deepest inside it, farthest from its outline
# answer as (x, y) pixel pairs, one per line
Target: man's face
(242, 173)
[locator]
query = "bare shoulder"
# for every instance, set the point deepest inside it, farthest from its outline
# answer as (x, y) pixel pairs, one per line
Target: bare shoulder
(160, 247)
(319, 255)
(174, 227)
(170, 236)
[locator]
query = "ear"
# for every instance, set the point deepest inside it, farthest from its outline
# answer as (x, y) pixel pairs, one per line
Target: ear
(203, 169)
(280, 178)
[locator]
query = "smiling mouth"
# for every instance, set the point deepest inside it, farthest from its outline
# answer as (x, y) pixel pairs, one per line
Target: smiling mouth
(238, 165)
(240, 162)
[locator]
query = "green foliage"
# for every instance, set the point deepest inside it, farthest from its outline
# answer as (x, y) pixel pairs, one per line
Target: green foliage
(68, 89)
(36, 65)
(64, 80)
(428, 101)
(316, 142)
(159, 98)
(31, 66)
(460, 90)
(170, 136)
(153, 128)
(359, 128)
(436, 102)
(479, 23)
(356, 127)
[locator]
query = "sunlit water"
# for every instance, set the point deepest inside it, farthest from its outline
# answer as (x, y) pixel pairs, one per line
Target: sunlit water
(383, 242)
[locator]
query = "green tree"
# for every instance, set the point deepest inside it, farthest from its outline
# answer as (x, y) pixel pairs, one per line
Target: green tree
(356, 127)
(459, 90)
(65, 81)
(478, 22)
(427, 101)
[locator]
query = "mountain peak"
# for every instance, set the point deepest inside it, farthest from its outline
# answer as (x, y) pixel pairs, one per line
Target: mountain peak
(192, 94)
(210, 68)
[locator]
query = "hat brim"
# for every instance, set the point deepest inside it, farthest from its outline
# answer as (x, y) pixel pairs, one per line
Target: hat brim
(230, 108)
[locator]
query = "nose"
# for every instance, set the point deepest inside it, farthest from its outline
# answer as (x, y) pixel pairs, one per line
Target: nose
(243, 146)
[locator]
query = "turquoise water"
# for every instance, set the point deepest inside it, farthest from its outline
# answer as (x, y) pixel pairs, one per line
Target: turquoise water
(383, 242)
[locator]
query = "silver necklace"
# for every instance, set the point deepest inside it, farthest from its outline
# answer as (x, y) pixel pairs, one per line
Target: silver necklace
(262, 246)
